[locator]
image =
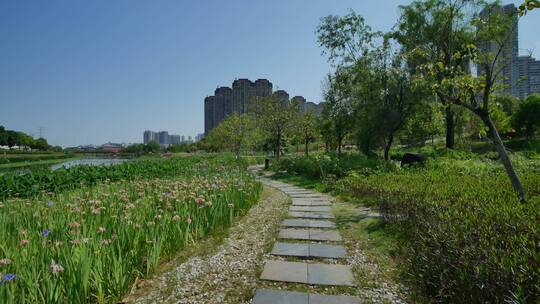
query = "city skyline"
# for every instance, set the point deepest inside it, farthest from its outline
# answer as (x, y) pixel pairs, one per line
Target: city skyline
(100, 71)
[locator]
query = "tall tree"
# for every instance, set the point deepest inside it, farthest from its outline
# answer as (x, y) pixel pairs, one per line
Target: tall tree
(438, 29)
(461, 88)
(306, 129)
(274, 119)
(234, 133)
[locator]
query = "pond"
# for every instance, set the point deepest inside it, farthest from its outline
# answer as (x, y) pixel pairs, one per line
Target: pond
(88, 162)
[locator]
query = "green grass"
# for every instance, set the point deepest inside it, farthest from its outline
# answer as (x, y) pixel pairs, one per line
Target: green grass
(33, 165)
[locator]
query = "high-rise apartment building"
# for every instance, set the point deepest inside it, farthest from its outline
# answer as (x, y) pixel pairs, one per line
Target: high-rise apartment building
(529, 72)
(149, 136)
(300, 102)
(163, 137)
(508, 58)
(238, 99)
(282, 96)
(520, 74)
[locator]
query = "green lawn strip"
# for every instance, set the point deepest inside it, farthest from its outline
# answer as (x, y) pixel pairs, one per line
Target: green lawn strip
(35, 164)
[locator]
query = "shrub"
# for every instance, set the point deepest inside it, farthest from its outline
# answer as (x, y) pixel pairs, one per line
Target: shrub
(469, 240)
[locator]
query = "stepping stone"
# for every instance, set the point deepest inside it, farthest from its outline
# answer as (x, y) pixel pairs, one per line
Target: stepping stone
(311, 208)
(324, 235)
(323, 299)
(309, 250)
(285, 271)
(327, 251)
(267, 296)
(310, 203)
(310, 234)
(298, 234)
(307, 223)
(288, 249)
(312, 215)
(307, 196)
(314, 274)
(326, 274)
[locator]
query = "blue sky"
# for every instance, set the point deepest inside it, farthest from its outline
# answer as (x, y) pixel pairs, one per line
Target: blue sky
(106, 70)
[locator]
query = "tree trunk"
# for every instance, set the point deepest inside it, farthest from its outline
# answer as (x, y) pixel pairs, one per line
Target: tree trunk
(450, 127)
(278, 147)
(497, 141)
(306, 148)
(340, 141)
(388, 146)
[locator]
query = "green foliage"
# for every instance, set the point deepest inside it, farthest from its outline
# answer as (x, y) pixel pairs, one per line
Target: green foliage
(274, 120)
(468, 238)
(90, 244)
(30, 157)
(527, 117)
(330, 166)
(305, 129)
(235, 133)
(12, 138)
(528, 5)
(41, 182)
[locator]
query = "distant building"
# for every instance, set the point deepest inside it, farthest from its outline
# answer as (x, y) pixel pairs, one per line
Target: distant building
(282, 96)
(239, 99)
(508, 59)
(300, 102)
(175, 139)
(149, 136)
(529, 72)
(199, 137)
(111, 147)
(163, 138)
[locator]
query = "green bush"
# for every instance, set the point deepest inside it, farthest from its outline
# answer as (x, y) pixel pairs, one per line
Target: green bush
(324, 166)
(468, 239)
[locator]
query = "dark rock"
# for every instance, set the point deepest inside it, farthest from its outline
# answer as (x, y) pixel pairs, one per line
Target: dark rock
(412, 158)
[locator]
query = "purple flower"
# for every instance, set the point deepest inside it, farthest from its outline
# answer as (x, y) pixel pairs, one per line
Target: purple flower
(166, 194)
(50, 203)
(46, 233)
(8, 277)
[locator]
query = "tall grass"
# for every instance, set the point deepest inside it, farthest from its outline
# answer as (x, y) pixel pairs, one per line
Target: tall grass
(89, 244)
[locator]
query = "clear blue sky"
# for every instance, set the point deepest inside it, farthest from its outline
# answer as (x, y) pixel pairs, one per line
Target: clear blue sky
(106, 70)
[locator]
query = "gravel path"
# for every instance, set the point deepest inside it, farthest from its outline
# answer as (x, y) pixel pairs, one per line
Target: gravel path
(229, 273)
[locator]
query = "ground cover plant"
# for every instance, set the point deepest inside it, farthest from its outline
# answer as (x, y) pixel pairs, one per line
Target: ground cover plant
(89, 244)
(466, 236)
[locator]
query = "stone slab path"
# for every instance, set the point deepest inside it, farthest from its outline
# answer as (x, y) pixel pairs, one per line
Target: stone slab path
(266, 296)
(307, 223)
(311, 215)
(309, 250)
(308, 233)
